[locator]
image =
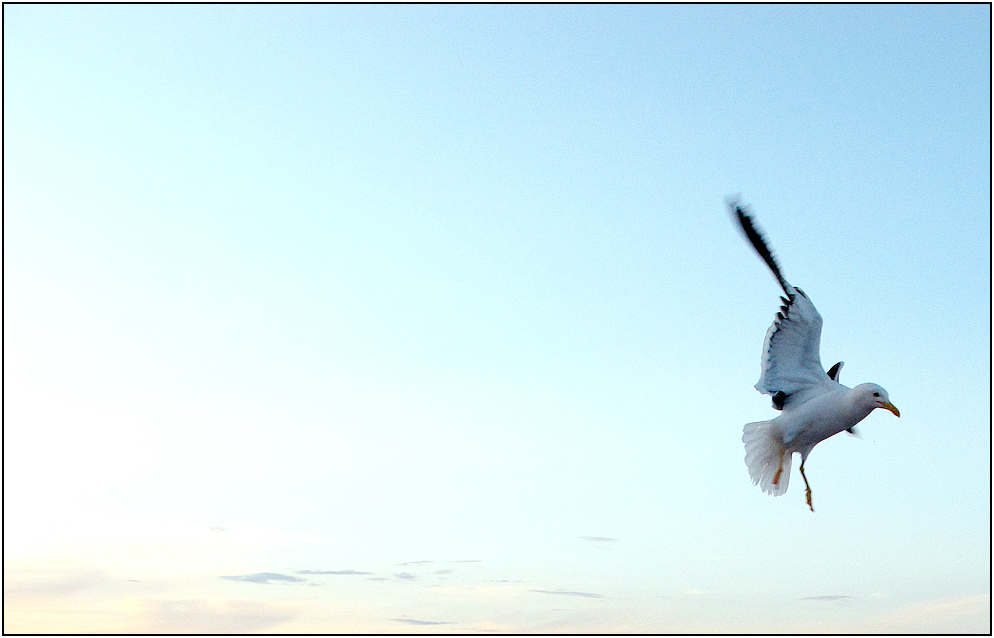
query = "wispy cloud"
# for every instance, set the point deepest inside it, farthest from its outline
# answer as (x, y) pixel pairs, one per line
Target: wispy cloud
(264, 578)
(560, 592)
(827, 598)
(414, 621)
(599, 539)
(198, 617)
(342, 572)
(415, 562)
(56, 584)
(405, 576)
(962, 615)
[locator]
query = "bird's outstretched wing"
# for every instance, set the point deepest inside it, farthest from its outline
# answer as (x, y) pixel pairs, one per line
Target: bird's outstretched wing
(790, 362)
(791, 365)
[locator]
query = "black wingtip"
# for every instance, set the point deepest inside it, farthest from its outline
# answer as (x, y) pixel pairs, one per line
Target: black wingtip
(756, 239)
(833, 372)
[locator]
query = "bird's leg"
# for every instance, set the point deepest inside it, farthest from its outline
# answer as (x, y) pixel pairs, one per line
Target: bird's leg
(776, 477)
(807, 488)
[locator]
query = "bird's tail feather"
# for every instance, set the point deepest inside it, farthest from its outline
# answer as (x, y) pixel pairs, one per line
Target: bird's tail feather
(764, 451)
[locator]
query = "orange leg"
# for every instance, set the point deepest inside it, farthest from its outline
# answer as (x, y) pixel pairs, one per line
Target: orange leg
(807, 488)
(776, 477)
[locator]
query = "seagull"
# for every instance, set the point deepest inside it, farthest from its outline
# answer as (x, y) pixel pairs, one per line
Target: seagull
(812, 402)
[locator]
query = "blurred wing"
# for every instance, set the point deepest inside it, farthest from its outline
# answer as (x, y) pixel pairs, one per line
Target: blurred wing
(791, 365)
(755, 238)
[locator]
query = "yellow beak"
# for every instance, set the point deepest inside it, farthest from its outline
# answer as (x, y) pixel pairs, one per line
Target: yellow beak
(889, 406)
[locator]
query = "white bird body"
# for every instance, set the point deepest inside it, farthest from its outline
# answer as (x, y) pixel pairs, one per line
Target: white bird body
(814, 404)
(820, 417)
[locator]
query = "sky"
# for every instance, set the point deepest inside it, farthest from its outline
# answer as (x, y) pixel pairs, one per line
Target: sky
(433, 319)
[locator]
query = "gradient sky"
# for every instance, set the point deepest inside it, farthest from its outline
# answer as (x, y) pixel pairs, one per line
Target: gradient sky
(432, 318)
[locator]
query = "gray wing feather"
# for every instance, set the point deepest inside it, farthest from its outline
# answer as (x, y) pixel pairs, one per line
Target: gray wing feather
(791, 362)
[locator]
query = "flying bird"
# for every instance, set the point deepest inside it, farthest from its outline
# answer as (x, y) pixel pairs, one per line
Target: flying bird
(812, 402)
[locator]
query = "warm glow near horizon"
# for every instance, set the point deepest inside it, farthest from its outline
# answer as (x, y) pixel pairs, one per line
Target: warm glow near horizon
(431, 318)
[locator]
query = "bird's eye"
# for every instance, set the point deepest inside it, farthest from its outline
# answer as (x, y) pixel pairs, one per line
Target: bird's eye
(876, 394)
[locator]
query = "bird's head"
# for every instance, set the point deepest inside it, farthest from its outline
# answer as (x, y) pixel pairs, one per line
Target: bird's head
(873, 396)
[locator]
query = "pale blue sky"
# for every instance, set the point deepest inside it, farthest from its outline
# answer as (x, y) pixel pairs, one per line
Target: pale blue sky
(448, 296)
